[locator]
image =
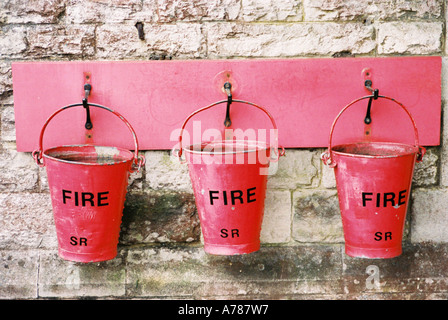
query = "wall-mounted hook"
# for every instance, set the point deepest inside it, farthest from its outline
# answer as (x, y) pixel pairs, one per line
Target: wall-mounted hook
(375, 92)
(227, 88)
(87, 89)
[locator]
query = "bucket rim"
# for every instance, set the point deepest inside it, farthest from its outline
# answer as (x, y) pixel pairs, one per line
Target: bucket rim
(45, 155)
(258, 146)
(412, 150)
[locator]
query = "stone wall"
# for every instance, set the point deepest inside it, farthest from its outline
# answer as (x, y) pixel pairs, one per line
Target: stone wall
(160, 249)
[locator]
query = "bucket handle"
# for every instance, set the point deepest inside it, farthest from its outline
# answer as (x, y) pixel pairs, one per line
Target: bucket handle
(178, 153)
(138, 161)
(327, 156)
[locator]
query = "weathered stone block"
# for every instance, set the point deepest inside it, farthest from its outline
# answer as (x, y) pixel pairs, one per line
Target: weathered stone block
(317, 216)
(341, 10)
(410, 38)
(66, 279)
(328, 178)
(288, 39)
(58, 40)
(270, 10)
(420, 269)
(444, 149)
(12, 41)
(159, 217)
(23, 11)
(201, 10)
(5, 78)
(100, 11)
(18, 274)
(121, 41)
(298, 169)
(276, 227)
(8, 131)
(426, 173)
(191, 273)
(18, 171)
(429, 220)
(27, 221)
(164, 172)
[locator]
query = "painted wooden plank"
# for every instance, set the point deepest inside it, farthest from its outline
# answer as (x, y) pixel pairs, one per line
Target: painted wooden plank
(303, 96)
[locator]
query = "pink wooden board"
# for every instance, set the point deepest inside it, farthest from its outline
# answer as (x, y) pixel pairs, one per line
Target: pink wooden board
(303, 95)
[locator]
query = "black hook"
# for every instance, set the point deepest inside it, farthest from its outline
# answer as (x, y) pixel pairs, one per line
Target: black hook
(375, 92)
(227, 87)
(87, 89)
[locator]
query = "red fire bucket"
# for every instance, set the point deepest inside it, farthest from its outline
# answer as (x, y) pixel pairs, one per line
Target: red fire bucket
(88, 188)
(374, 184)
(229, 183)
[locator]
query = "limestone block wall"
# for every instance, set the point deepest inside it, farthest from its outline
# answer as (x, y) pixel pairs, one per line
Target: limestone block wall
(160, 248)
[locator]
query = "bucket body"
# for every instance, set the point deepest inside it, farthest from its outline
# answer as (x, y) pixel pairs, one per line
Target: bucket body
(229, 182)
(374, 184)
(88, 188)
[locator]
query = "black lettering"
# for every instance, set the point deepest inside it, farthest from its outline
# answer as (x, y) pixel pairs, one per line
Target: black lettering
(224, 193)
(233, 197)
(235, 233)
(100, 198)
(212, 197)
(249, 194)
(388, 235)
(73, 241)
(365, 199)
(83, 241)
(76, 199)
(64, 196)
(378, 236)
(401, 197)
(224, 233)
(90, 199)
(387, 199)
(378, 200)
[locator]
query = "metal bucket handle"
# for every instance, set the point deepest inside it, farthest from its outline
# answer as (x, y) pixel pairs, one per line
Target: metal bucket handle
(138, 161)
(278, 154)
(327, 156)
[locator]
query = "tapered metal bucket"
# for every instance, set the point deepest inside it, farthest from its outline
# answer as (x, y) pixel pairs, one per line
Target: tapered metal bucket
(229, 180)
(373, 181)
(88, 189)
